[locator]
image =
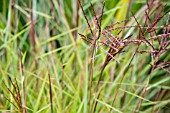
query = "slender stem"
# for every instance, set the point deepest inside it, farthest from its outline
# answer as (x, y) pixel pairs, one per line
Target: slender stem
(91, 77)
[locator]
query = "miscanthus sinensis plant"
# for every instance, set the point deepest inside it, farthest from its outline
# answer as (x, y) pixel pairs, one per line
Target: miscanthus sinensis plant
(121, 65)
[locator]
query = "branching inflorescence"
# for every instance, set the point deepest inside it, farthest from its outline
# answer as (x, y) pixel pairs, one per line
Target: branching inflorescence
(156, 43)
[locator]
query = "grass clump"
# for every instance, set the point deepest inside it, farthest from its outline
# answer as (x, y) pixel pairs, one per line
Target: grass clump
(121, 65)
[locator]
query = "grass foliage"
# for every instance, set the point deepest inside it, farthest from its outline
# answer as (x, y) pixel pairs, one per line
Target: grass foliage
(84, 56)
